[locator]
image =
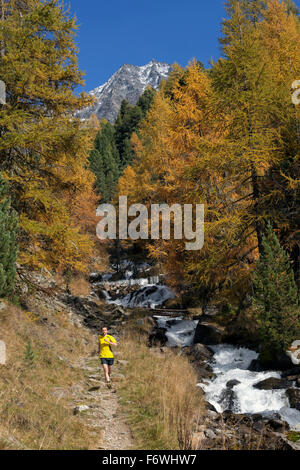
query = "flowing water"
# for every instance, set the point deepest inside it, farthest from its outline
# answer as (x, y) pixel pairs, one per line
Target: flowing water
(179, 332)
(151, 295)
(228, 363)
(232, 363)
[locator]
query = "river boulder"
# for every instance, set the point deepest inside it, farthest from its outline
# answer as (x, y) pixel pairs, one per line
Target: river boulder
(294, 397)
(157, 337)
(199, 355)
(294, 352)
(208, 333)
(295, 371)
(200, 352)
(232, 383)
(280, 361)
(273, 383)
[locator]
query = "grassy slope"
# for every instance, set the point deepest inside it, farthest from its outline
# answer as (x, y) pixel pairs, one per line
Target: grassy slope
(33, 414)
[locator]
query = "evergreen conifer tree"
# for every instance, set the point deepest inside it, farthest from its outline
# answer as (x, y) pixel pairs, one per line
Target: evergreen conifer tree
(113, 150)
(8, 242)
(104, 162)
(276, 298)
(128, 121)
(145, 100)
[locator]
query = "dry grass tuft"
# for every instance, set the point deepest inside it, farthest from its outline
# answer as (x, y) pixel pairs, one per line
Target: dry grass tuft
(160, 395)
(80, 286)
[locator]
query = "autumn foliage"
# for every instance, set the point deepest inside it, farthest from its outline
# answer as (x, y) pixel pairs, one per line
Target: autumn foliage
(228, 138)
(43, 147)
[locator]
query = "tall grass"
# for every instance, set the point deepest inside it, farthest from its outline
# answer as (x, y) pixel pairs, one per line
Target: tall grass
(31, 414)
(160, 396)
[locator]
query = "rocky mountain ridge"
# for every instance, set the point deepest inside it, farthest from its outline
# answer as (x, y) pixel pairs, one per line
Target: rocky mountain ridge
(128, 83)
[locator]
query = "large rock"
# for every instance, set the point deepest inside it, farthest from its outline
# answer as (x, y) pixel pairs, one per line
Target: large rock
(80, 409)
(209, 433)
(228, 399)
(273, 383)
(199, 356)
(278, 425)
(208, 333)
(200, 353)
(289, 445)
(279, 361)
(157, 337)
(294, 397)
(232, 383)
(243, 432)
(94, 315)
(95, 277)
(204, 371)
(294, 352)
(209, 407)
(291, 372)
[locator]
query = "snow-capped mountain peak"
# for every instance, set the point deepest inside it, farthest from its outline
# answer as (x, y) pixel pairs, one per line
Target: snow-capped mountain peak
(128, 83)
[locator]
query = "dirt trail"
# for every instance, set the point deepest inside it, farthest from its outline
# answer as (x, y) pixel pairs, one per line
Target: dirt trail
(103, 415)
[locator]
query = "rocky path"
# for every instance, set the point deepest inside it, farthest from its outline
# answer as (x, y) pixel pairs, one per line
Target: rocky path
(99, 408)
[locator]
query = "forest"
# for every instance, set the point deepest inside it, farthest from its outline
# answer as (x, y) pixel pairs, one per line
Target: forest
(226, 136)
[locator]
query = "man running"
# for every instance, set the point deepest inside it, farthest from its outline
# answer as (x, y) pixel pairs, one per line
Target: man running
(106, 342)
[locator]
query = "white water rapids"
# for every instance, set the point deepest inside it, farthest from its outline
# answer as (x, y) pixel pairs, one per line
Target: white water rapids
(231, 363)
(149, 292)
(179, 332)
(151, 295)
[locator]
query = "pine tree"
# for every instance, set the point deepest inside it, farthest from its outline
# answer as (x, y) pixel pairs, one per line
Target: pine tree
(145, 100)
(8, 243)
(113, 150)
(128, 122)
(276, 298)
(105, 163)
(242, 81)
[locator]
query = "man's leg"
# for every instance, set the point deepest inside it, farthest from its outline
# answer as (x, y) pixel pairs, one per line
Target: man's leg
(109, 370)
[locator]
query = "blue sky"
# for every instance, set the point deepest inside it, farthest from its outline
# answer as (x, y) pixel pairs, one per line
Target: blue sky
(114, 32)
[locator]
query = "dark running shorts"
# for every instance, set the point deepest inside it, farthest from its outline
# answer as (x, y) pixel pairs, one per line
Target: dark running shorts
(107, 360)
